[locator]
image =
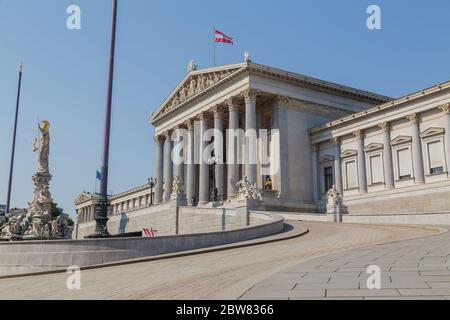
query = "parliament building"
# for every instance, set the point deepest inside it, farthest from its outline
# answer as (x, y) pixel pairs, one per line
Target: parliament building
(388, 158)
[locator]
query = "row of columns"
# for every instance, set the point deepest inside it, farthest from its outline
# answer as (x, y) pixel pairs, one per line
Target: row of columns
(164, 164)
(87, 213)
(417, 155)
(134, 203)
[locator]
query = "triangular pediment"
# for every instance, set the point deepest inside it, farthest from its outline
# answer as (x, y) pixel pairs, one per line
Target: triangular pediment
(432, 132)
(326, 158)
(349, 153)
(84, 196)
(195, 84)
(373, 146)
(401, 140)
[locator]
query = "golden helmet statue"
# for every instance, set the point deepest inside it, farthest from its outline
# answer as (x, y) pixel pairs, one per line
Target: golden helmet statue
(44, 125)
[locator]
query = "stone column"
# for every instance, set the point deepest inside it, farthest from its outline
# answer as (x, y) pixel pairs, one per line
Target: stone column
(315, 172)
(190, 165)
(204, 166)
(419, 174)
(159, 174)
(387, 156)
(446, 110)
(168, 167)
(338, 166)
(178, 157)
(218, 151)
(232, 148)
(250, 135)
(362, 176)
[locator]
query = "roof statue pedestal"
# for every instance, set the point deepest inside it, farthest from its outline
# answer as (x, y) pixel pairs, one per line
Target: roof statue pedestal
(37, 224)
(335, 205)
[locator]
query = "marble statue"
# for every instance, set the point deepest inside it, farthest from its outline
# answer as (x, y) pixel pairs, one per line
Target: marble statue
(248, 191)
(42, 147)
(334, 197)
(192, 86)
(244, 188)
(177, 185)
(183, 94)
(37, 223)
(256, 193)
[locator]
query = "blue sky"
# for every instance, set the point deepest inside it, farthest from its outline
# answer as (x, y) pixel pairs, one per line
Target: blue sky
(65, 71)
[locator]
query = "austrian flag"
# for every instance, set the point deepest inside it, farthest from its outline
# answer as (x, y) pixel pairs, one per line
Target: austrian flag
(220, 37)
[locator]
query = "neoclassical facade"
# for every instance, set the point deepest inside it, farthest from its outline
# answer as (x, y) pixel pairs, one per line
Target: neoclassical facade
(392, 159)
(387, 157)
(280, 106)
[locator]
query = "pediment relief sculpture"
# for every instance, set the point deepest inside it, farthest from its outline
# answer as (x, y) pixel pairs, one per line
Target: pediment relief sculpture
(194, 85)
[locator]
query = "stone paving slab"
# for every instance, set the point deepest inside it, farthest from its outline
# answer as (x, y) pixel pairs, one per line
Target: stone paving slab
(228, 274)
(410, 270)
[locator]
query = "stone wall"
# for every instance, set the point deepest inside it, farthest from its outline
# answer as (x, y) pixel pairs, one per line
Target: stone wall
(160, 217)
(429, 198)
(38, 256)
(167, 219)
(197, 220)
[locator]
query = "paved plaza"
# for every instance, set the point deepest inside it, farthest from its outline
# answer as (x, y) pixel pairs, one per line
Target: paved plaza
(225, 274)
(413, 269)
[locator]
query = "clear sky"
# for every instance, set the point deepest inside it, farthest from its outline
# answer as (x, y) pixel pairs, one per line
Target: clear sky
(65, 71)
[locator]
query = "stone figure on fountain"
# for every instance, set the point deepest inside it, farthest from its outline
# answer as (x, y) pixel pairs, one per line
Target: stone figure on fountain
(248, 191)
(37, 223)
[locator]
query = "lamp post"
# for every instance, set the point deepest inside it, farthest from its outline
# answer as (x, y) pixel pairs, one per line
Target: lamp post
(213, 162)
(101, 219)
(152, 182)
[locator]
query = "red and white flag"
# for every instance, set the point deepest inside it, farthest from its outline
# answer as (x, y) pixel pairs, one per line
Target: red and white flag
(149, 233)
(221, 37)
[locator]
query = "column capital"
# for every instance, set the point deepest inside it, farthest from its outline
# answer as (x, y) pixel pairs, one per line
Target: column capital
(189, 123)
(159, 139)
(231, 104)
(336, 141)
(180, 126)
(202, 116)
(359, 134)
(250, 95)
(167, 135)
(282, 101)
(445, 108)
(217, 111)
(384, 126)
(414, 118)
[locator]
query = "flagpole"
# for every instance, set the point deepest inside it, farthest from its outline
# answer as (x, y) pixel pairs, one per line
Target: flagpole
(214, 46)
(101, 219)
(13, 149)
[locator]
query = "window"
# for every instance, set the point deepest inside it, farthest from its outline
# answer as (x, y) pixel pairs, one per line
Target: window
(376, 169)
(436, 157)
(404, 163)
(351, 176)
(328, 178)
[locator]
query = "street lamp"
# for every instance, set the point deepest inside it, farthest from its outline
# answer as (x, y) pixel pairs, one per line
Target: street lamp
(152, 182)
(213, 162)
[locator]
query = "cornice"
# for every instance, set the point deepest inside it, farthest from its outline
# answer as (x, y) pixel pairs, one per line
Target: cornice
(382, 107)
